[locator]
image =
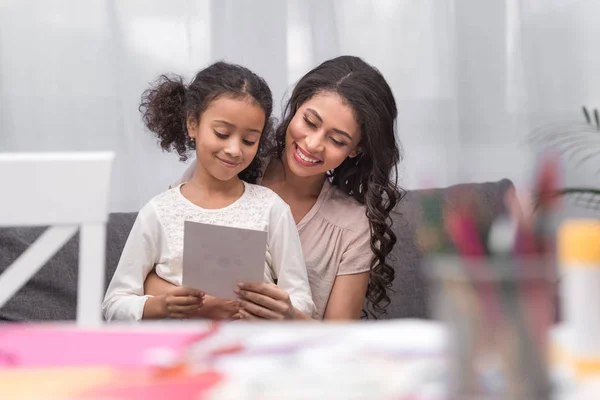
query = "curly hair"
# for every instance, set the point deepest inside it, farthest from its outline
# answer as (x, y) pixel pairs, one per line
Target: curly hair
(168, 103)
(370, 178)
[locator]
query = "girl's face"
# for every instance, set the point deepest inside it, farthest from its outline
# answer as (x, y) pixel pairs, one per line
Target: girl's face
(321, 135)
(227, 136)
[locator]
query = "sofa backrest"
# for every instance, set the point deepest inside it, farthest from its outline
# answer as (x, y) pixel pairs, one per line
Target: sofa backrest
(51, 294)
(410, 293)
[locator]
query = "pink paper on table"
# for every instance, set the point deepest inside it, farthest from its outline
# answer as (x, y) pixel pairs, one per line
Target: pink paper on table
(42, 346)
(192, 387)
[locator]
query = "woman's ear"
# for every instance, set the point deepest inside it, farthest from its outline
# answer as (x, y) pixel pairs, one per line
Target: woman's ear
(356, 152)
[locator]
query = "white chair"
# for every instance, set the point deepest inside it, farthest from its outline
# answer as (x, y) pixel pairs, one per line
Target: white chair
(67, 192)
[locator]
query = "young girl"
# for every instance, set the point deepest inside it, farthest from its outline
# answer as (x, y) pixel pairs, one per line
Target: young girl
(222, 114)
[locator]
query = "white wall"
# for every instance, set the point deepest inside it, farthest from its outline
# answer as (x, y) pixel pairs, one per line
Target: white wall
(471, 77)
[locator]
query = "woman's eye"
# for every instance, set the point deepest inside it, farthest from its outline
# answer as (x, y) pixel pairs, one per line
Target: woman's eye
(337, 142)
(310, 123)
(249, 142)
(221, 135)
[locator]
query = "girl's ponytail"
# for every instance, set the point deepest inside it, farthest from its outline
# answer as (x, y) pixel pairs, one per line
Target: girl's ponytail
(163, 113)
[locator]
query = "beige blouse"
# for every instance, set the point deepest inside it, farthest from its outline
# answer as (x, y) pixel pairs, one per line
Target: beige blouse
(335, 238)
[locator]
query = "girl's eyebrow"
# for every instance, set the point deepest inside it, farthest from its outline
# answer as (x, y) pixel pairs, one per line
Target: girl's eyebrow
(230, 125)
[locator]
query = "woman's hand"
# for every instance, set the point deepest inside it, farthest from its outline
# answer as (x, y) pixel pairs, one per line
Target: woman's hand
(265, 301)
(154, 285)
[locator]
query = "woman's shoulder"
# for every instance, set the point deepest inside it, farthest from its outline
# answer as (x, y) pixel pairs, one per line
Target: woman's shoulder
(344, 211)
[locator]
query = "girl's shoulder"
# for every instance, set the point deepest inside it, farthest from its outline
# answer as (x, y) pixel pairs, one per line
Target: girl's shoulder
(163, 205)
(259, 193)
(263, 198)
(167, 197)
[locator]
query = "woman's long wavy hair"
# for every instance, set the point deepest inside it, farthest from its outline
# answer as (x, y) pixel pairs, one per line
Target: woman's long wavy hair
(370, 178)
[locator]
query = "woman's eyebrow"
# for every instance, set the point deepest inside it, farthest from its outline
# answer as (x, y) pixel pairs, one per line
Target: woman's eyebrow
(316, 114)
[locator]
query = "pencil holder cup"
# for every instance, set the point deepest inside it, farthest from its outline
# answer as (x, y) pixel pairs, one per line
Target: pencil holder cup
(497, 312)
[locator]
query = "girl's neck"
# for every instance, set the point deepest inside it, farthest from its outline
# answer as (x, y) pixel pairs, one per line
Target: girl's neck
(302, 187)
(204, 181)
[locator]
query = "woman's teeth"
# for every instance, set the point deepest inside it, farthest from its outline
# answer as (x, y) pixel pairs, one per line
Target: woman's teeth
(305, 158)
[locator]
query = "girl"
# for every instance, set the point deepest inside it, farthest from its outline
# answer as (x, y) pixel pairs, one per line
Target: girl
(222, 114)
(334, 162)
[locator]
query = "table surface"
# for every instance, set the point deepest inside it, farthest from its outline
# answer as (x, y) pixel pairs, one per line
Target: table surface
(232, 360)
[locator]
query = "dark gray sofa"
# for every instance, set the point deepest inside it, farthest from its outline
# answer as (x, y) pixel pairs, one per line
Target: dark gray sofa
(51, 294)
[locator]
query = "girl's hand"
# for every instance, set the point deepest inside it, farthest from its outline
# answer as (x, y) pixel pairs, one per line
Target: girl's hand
(212, 308)
(264, 301)
(182, 302)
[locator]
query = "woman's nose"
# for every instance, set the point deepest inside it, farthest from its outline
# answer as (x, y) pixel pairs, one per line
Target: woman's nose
(314, 143)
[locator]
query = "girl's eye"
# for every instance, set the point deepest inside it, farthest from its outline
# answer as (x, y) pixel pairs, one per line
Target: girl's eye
(309, 122)
(249, 142)
(221, 135)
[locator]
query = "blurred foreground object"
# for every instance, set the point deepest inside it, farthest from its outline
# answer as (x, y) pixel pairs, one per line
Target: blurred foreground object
(69, 192)
(495, 292)
(579, 255)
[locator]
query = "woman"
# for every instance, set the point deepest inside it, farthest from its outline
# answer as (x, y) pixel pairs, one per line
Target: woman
(334, 153)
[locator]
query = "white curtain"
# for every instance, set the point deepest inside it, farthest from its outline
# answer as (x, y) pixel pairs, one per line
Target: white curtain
(471, 77)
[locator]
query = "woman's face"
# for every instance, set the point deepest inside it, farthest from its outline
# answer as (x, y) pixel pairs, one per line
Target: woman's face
(321, 135)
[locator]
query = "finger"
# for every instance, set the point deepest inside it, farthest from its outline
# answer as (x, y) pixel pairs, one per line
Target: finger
(186, 291)
(269, 290)
(259, 311)
(248, 316)
(183, 309)
(178, 316)
(265, 301)
(233, 307)
(184, 300)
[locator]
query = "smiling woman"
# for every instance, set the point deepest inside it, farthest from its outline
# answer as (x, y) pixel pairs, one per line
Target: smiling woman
(321, 135)
(342, 115)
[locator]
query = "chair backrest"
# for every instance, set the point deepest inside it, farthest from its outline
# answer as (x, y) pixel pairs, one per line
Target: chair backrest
(66, 191)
